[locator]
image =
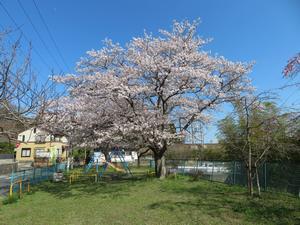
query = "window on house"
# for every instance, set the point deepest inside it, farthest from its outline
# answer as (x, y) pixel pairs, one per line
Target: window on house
(40, 138)
(25, 152)
(56, 138)
(41, 153)
(23, 138)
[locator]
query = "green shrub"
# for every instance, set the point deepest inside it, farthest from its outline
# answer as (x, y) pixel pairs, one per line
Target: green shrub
(196, 176)
(6, 148)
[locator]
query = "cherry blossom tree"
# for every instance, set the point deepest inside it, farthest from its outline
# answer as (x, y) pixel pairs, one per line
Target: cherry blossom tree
(142, 89)
(293, 66)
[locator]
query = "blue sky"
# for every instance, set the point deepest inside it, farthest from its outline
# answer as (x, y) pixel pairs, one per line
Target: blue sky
(267, 32)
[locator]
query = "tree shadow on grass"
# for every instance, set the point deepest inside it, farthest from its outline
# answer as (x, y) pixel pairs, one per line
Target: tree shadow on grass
(217, 200)
(110, 185)
(253, 211)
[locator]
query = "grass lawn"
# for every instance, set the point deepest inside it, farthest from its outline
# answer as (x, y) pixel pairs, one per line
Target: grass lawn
(148, 201)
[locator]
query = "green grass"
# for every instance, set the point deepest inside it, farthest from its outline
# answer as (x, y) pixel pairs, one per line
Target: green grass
(144, 200)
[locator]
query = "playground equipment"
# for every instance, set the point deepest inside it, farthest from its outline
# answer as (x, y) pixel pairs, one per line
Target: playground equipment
(74, 176)
(115, 155)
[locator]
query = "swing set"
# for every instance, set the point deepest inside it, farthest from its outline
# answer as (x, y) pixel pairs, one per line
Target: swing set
(115, 155)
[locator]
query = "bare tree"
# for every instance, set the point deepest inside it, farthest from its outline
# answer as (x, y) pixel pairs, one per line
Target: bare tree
(21, 98)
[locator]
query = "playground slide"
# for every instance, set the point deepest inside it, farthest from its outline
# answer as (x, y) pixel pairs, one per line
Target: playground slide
(115, 167)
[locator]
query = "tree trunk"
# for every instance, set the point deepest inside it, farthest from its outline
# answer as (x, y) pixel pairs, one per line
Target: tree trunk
(257, 180)
(248, 144)
(84, 156)
(139, 155)
(250, 181)
(139, 161)
(250, 176)
(163, 172)
(160, 166)
(106, 154)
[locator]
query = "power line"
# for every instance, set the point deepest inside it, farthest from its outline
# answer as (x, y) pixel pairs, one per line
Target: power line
(18, 79)
(11, 41)
(286, 100)
(29, 88)
(22, 33)
(45, 87)
(27, 39)
(38, 34)
(50, 34)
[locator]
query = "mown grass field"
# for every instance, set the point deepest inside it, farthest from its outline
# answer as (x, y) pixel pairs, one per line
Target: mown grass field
(143, 200)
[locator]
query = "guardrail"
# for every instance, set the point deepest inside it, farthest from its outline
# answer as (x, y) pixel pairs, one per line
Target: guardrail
(15, 181)
(74, 176)
(20, 184)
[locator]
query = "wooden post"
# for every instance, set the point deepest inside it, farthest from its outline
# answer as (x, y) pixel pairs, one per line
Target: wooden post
(11, 190)
(20, 189)
(28, 186)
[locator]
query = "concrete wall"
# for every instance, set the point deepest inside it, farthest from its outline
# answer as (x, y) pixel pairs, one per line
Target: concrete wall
(6, 161)
(6, 156)
(7, 168)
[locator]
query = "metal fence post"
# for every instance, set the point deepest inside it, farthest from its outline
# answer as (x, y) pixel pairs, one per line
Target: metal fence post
(265, 176)
(47, 172)
(212, 172)
(33, 175)
(234, 172)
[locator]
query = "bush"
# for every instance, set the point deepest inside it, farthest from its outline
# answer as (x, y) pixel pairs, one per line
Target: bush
(196, 176)
(172, 176)
(6, 148)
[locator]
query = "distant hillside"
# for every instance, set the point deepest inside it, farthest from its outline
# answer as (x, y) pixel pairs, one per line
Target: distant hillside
(9, 130)
(10, 126)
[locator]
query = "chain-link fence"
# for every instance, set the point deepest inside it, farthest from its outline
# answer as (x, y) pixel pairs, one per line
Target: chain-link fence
(281, 176)
(23, 178)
